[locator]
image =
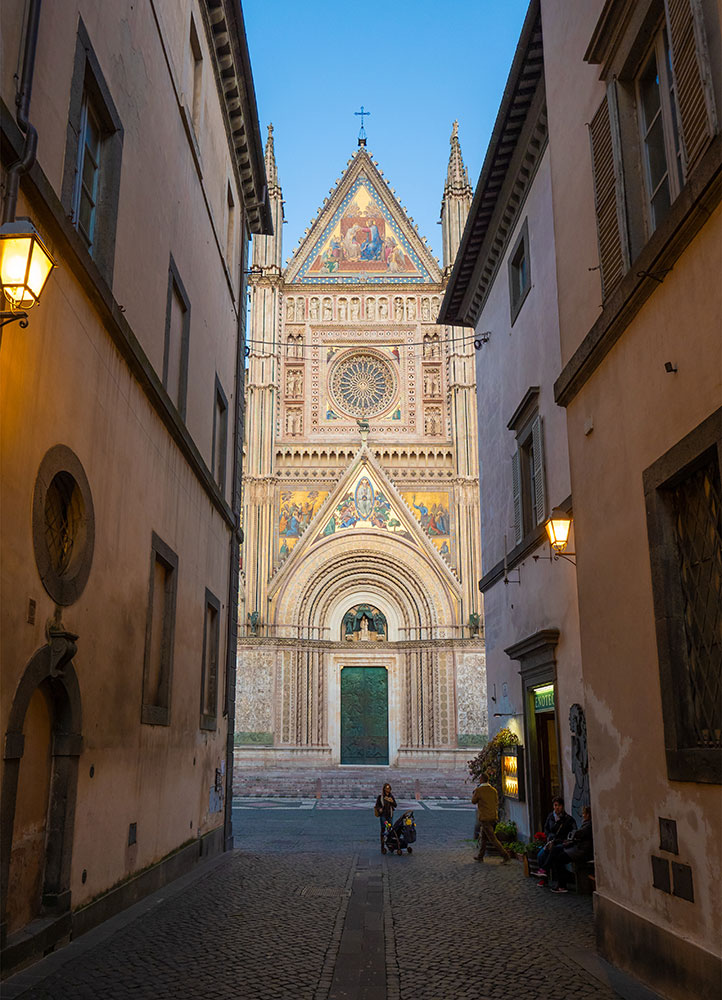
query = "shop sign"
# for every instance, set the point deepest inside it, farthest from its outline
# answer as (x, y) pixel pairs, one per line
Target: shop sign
(544, 698)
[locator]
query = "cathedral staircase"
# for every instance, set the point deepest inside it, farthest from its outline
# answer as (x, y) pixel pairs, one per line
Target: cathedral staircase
(350, 782)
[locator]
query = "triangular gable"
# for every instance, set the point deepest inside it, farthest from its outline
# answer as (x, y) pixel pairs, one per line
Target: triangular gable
(363, 236)
(364, 499)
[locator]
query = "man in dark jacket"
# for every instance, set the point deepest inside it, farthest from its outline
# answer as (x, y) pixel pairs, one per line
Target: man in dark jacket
(558, 827)
(579, 847)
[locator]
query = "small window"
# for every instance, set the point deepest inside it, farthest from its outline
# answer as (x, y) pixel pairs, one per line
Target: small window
(519, 271)
(209, 673)
(684, 522)
(91, 175)
(661, 151)
(196, 78)
(159, 635)
(528, 473)
(177, 336)
(220, 436)
(85, 200)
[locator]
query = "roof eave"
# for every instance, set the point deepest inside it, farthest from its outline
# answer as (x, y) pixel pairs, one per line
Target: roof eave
(458, 289)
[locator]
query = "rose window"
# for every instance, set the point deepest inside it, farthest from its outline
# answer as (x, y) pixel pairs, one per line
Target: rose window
(362, 384)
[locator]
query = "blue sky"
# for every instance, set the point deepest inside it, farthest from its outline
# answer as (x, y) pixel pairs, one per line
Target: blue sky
(416, 65)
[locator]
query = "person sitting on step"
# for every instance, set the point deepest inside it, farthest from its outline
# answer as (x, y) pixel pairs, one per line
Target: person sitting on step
(558, 827)
(578, 848)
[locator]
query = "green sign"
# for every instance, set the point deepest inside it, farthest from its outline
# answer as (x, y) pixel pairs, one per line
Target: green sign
(364, 715)
(544, 698)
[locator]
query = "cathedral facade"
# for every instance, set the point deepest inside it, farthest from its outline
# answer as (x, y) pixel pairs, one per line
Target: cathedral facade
(361, 637)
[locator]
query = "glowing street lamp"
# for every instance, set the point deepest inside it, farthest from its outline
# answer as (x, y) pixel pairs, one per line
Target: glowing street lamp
(558, 527)
(25, 265)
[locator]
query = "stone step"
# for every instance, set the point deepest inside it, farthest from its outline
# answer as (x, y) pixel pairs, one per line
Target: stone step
(351, 783)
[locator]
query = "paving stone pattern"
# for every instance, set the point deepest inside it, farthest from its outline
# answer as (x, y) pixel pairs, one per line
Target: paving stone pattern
(297, 913)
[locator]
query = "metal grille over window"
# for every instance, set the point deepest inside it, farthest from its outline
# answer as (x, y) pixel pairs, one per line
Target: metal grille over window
(63, 520)
(698, 527)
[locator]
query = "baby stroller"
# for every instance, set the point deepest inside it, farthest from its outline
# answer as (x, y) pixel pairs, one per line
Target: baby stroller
(402, 834)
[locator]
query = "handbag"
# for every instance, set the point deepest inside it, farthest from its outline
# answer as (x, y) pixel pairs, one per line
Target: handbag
(377, 810)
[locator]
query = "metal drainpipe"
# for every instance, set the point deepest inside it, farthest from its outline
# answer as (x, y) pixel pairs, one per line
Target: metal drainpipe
(22, 101)
(236, 538)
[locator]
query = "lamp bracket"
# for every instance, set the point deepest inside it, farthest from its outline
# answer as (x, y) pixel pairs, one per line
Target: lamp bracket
(570, 557)
(12, 317)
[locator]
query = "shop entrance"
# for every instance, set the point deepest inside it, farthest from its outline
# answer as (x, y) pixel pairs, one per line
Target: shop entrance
(364, 715)
(545, 760)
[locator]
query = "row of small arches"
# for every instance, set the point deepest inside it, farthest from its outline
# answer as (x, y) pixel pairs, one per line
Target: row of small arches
(367, 307)
(409, 457)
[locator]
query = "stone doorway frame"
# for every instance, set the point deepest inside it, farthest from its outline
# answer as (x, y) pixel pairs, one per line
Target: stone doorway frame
(537, 661)
(51, 669)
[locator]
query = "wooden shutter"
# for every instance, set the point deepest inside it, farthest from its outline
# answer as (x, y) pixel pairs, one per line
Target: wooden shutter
(516, 487)
(538, 470)
(609, 193)
(692, 79)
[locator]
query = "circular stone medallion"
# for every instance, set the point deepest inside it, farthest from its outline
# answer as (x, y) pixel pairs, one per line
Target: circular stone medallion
(362, 384)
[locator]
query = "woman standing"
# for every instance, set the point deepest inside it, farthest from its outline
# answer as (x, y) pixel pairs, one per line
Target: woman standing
(384, 809)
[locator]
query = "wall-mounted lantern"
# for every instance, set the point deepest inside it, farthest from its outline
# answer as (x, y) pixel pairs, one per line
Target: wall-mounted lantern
(25, 266)
(558, 527)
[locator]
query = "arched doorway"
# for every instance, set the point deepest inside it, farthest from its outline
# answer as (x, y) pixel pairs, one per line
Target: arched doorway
(364, 715)
(27, 857)
(40, 773)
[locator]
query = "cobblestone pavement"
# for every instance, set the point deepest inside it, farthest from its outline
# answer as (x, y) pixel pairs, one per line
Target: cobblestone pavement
(303, 889)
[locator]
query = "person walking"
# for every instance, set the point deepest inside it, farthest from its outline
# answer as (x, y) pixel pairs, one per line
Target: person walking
(384, 809)
(486, 800)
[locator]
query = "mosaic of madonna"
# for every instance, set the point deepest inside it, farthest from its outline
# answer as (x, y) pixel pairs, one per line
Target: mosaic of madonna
(362, 243)
(367, 506)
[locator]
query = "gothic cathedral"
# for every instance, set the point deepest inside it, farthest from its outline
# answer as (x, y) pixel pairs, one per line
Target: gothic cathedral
(361, 638)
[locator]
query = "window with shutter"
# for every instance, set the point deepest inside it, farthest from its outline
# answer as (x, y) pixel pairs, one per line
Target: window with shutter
(609, 194)
(516, 489)
(537, 456)
(692, 77)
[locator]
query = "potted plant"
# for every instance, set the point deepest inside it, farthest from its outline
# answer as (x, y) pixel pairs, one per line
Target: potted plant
(506, 831)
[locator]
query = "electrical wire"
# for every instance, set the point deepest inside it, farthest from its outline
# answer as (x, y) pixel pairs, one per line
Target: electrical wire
(396, 343)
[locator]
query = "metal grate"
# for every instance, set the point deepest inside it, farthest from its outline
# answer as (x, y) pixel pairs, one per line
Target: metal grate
(63, 520)
(698, 527)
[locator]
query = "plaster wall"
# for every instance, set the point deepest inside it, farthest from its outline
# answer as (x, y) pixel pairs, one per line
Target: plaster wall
(638, 411)
(53, 378)
(515, 358)
(63, 381)
(172, 197)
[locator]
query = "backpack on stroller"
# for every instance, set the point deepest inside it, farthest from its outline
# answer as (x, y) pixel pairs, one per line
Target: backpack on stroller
(402, 834)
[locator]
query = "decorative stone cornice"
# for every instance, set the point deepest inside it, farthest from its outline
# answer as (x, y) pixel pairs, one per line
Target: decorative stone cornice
(232, 65)
(515, 149)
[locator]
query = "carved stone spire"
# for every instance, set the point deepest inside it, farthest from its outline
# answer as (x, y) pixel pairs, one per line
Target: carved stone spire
(267, 250)
(270, 158)
(456, 201)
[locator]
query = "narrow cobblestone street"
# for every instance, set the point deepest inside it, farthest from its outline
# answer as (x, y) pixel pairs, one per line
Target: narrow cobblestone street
(306, 908)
